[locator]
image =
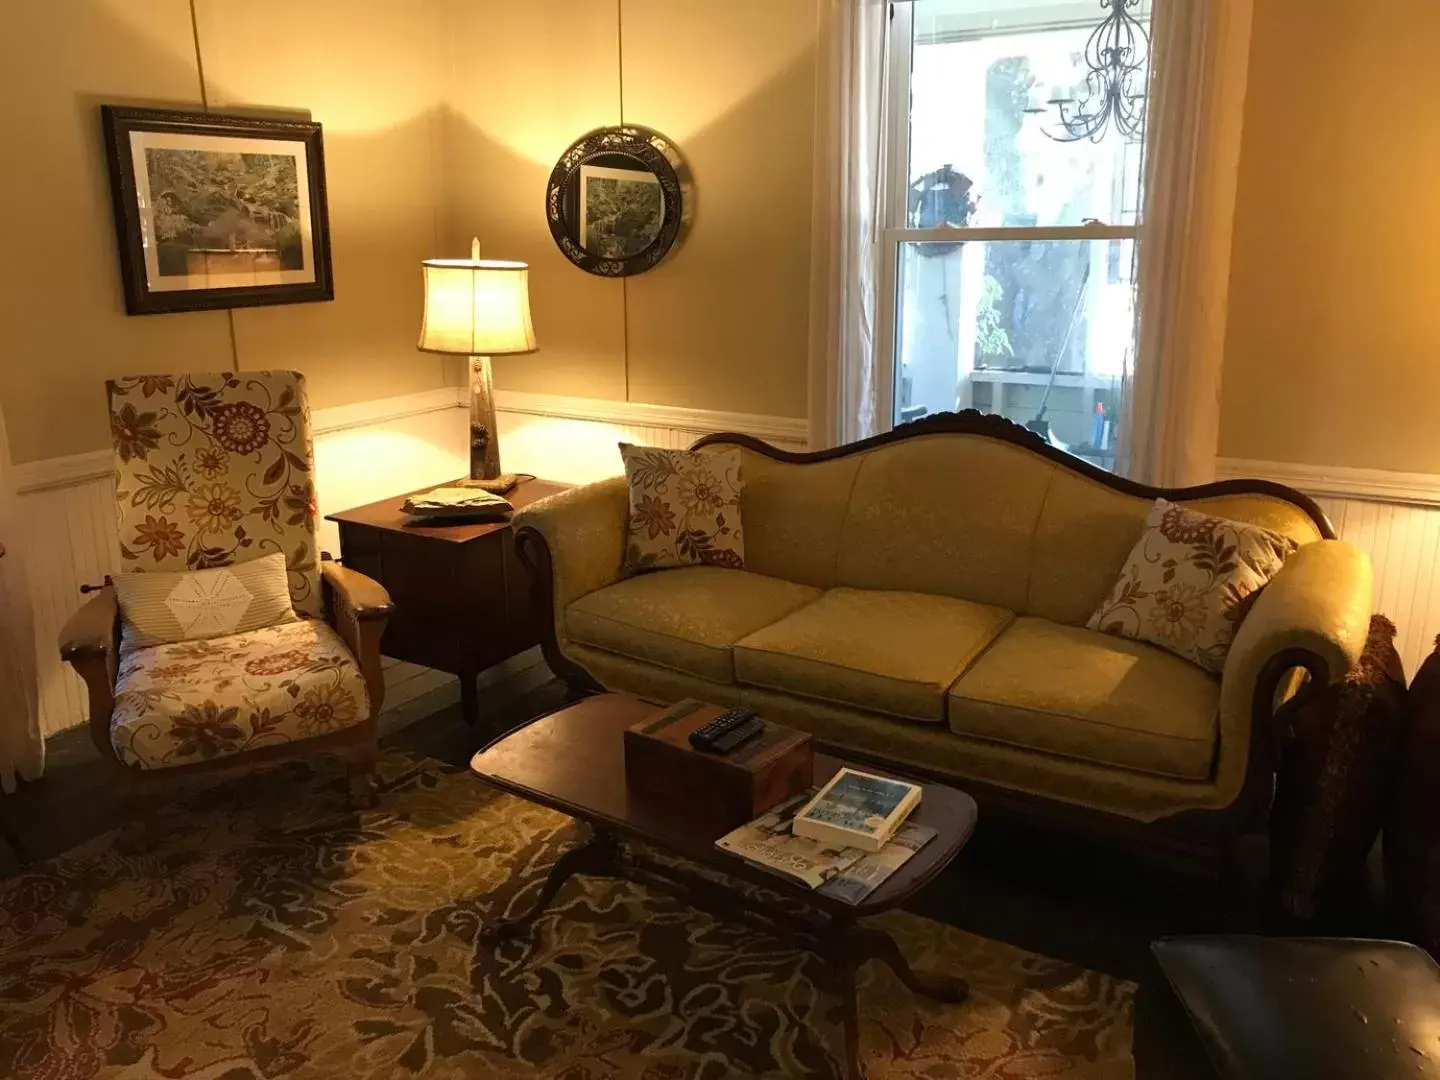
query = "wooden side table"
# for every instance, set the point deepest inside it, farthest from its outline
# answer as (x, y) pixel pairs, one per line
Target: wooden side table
(462, 598)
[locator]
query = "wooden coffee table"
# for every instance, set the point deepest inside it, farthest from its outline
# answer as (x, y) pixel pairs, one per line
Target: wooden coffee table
(573, 761)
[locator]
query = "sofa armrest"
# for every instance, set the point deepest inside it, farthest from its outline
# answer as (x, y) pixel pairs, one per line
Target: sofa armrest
(572, 544)
(90, 643)
(1315, 615)
(357, 607)
(1318, 606)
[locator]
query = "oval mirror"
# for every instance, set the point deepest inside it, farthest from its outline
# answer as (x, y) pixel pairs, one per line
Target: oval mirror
(617, 200)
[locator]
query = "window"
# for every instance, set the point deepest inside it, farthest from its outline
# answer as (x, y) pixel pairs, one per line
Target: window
(1007, 262)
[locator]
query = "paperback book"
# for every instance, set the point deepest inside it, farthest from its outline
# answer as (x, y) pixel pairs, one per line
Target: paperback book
(857, 809)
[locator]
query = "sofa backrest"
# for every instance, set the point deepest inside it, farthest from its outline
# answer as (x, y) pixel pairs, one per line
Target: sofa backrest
(967, 514)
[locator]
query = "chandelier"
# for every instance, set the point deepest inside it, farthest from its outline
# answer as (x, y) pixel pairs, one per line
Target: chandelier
(1117, 57)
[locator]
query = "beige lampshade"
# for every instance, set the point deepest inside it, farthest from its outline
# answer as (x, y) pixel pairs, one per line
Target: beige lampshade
(477, 307)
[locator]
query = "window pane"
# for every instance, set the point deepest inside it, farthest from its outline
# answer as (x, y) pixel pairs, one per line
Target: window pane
(1038, 331)
(979, 71)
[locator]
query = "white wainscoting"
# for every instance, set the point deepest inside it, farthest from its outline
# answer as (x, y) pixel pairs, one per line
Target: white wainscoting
(363, 452)
(1395, 519)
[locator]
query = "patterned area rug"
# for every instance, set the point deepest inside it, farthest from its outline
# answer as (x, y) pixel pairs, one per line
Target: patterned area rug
(273, 933)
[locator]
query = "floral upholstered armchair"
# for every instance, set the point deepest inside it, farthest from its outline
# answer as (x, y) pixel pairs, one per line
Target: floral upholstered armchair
(214, 471)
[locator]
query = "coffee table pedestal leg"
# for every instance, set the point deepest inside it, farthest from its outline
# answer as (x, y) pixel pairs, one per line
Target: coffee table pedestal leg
(598, 856)
(848, 946)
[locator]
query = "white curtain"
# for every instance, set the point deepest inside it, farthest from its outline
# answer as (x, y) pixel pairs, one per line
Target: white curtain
(22, 752)
(1199, 62)
(844, 238)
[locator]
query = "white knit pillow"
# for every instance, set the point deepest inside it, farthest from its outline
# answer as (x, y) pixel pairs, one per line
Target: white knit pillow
(160, 608)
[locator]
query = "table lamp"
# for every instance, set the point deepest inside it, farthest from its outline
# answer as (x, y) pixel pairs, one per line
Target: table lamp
(479, 308)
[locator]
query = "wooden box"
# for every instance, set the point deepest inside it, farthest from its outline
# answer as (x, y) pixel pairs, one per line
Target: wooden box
(733, 788)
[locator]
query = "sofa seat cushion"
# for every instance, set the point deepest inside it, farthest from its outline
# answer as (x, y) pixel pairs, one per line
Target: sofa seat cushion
(890, 652)
(685, 619)
(1093, 697)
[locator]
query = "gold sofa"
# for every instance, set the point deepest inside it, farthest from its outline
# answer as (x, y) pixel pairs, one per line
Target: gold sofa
(920, 599)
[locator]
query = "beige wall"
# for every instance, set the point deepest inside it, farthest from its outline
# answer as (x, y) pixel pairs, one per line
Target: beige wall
(722, 324)
(369, 70)
(442, 119)
(63, 327)
(526, 80)
(1333, 348)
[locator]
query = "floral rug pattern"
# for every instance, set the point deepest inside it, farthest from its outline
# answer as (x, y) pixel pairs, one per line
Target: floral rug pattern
(275, 933)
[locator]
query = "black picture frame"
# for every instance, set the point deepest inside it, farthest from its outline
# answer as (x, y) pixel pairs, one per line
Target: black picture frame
(630, 147)
(148, 271)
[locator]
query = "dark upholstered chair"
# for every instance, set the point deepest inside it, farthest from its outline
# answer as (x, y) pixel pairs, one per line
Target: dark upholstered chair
(1251, 1008)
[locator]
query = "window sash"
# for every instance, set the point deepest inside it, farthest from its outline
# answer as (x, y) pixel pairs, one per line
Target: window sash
(893, 213)
(951, 234)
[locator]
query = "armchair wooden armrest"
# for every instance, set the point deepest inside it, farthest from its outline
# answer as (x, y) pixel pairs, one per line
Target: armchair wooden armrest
(357, 607)
(90, 643)
(363, 595)
(94, 630)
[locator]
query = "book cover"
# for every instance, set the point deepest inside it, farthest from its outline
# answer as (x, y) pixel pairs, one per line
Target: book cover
(857, 809)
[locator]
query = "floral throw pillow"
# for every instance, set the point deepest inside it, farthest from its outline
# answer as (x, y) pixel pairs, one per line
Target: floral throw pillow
(684, 508)
(1190, 581)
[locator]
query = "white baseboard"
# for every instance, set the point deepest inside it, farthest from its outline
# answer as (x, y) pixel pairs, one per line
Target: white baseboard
(787, 431)
(369, 413)
(1340, 481)
(62, 471)
(781, 429)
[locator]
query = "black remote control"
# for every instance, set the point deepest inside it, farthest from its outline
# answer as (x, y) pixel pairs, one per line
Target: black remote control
(726, 731)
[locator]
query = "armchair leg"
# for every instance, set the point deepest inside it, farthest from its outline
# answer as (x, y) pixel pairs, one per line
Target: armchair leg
(141, 827)
(360, 773)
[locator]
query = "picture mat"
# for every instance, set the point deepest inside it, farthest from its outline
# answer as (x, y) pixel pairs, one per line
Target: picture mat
(141, 141)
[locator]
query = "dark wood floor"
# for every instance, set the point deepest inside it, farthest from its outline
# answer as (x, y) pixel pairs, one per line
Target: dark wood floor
(1048, 893)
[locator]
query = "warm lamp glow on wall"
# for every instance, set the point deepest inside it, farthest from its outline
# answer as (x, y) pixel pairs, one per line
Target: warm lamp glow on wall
(479, 308)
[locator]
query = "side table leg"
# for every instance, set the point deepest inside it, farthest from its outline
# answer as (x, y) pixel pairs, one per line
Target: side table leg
(469, 698)
(597, 856)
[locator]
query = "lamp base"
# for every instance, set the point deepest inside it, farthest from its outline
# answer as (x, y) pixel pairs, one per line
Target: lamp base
(484, 439)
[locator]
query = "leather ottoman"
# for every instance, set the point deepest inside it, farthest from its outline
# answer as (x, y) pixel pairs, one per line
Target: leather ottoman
(1252, 1008)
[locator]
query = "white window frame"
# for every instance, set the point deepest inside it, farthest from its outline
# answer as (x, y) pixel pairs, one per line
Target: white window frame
(893, 207)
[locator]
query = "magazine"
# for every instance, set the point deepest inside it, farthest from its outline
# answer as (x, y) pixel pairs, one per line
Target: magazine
(857, 809)
(864, 876)
(768, 842)
(845, 874)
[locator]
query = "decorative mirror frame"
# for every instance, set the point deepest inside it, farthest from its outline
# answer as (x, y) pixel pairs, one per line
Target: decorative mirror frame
(656, 153)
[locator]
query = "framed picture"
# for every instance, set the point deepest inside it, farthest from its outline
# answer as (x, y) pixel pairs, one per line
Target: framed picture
(621, 210)
(217, 211)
